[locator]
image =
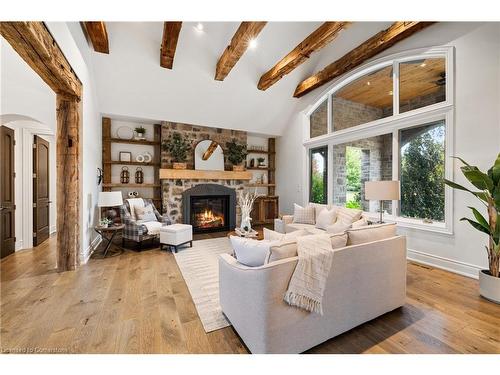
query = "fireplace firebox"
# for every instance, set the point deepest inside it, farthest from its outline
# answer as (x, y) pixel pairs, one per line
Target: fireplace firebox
(209, 213)
(209, 208)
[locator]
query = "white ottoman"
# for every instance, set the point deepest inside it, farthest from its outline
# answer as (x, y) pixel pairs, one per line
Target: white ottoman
(175, 235)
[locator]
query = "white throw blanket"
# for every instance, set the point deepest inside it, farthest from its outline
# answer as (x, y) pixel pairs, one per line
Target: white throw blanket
(308, 281)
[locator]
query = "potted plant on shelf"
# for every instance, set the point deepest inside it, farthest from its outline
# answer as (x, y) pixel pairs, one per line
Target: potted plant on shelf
(140, 132)
(236, 154)
(105, 223)
(489, 194)
(177, 146)
(261, 161)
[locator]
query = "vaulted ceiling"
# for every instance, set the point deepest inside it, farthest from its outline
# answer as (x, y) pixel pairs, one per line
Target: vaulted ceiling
(131, 82)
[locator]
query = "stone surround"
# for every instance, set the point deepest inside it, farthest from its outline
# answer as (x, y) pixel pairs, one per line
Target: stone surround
(172, 189)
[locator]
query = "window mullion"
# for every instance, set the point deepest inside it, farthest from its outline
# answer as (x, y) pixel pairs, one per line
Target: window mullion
(395, 88)
(395, 167)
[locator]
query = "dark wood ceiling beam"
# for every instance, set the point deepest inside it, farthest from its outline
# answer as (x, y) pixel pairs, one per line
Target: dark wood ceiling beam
(96, 30)
(318, 39)
(237, 47)
(368, 49)
(171, 31)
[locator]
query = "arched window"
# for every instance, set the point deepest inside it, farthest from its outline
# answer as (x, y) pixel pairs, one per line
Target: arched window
(391, 119)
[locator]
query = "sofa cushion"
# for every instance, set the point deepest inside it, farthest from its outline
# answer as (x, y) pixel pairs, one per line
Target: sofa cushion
(338, 227)
(348, 215)
(370, 233)
(303, 215)
(288, 249)
(250, 252)
(295, 227)
(325, 218)
(271, 235)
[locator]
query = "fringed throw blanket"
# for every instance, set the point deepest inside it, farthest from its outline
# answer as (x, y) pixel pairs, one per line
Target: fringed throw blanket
(308, 281)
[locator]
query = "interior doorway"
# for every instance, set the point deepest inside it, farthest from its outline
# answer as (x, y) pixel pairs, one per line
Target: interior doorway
(41, 190)
(7, 195)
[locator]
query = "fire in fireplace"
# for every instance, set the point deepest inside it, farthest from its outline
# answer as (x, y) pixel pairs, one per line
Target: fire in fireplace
(209, 213)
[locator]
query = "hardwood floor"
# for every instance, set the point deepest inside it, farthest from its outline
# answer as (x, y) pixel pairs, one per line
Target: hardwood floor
(139, 303)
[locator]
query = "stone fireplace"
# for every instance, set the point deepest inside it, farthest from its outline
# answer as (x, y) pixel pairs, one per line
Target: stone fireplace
(209, 208)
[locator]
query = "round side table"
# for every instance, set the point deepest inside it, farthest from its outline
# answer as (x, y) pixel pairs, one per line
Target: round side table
(108, 234)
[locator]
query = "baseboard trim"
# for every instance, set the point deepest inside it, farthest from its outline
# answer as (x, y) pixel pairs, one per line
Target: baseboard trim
(455, 266)
(19, 245)
(53, 229)
(90, 250)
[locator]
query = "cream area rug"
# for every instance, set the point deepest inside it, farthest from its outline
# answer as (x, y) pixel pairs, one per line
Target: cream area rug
(199, 266)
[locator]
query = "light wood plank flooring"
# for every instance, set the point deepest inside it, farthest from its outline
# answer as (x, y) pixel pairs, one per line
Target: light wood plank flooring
(139, 303)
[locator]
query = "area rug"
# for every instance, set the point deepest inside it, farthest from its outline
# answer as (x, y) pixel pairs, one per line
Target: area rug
(199, 266)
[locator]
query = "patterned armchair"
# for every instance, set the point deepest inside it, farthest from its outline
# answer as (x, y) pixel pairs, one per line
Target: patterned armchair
(133, 229)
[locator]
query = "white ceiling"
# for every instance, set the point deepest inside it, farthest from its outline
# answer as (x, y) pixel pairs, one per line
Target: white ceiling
(130, 82)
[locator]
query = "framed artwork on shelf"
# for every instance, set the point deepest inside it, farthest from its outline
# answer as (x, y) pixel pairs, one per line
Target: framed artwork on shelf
(125, 156)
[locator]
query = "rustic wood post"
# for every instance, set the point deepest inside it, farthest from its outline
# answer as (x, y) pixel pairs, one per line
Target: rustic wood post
(68, 182)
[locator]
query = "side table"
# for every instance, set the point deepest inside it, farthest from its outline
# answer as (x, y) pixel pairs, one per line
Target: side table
(108, 234)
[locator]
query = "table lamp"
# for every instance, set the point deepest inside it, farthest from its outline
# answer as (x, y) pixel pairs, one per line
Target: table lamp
(382, 191)
(110, 199)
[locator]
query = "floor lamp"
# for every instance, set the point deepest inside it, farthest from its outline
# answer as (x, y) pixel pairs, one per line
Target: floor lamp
(382, 191)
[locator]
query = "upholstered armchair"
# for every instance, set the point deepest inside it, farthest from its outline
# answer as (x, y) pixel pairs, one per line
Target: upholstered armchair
(138, 231)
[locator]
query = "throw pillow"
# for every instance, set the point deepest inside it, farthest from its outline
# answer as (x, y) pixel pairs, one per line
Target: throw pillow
(338, 240)
(303, 215)
(318, 208)
(250, 252)
(338, 227)
(348, 215)
(325, 218)
(370, 233)
(282, 250)
(145, 214)
(360, 223)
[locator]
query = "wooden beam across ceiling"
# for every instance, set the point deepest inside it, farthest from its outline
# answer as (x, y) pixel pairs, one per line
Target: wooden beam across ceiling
(368, 49)
(171, 31)
(34, 43)
(318, 39)
(96, 30)
(237, 47)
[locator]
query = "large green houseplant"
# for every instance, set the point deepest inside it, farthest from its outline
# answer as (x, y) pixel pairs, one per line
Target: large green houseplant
(178, 147)
(236, 154)
(488, 185)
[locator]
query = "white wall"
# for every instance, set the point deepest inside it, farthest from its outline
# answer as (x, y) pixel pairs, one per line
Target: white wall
(27, 105)
(477, 134)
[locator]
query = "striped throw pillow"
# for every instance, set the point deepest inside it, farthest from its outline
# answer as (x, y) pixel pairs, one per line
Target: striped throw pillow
(348, 215)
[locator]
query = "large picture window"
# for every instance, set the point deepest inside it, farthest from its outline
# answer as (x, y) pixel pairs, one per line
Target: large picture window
(422, 166)
(356, 162)
(390, 120)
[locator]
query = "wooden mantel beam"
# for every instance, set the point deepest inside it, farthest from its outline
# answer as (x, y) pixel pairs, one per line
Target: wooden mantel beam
(368, 49)
(34, 43)
(237, 47)
(318, 39)
(96, 30)
(169, 40)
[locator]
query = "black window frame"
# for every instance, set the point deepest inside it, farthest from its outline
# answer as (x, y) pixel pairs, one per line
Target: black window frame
(323, 150)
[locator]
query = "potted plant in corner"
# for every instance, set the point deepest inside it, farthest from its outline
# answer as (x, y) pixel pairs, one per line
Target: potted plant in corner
(489, 194)
(177, 146)
(236, 154)
(140, 132)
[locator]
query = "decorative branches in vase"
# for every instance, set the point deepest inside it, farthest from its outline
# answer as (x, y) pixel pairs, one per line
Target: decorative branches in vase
(246, 201)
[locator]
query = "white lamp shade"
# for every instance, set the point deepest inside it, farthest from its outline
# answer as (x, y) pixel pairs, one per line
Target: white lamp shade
(382, 190)
(110, 199)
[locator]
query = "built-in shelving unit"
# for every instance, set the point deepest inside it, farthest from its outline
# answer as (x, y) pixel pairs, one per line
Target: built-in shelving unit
(108, 140)
(266, 208)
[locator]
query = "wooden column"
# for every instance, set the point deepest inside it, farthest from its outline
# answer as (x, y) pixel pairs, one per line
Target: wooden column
(68, 182)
